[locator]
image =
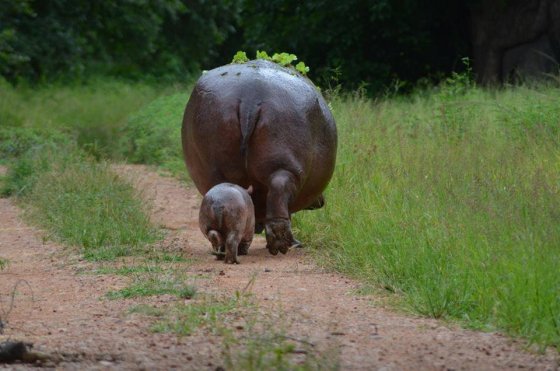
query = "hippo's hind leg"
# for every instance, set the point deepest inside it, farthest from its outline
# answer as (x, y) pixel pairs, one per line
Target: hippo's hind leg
(281, 189)
(232, 244)
(217, 244)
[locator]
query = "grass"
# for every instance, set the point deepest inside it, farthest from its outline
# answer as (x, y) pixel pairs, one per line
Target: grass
(448, 198)
(152, 135)
(3, 263)
(250, 340)
(455, 200)
(454, 196)
(84, 203)
(91, 114)
(54, 139)
(155, 284)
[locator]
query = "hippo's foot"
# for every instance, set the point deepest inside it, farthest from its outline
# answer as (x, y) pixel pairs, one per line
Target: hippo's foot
(243, 248)
(220, 256)
(279, 236)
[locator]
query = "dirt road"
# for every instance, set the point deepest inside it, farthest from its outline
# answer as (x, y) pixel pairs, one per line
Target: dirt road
(61, 306)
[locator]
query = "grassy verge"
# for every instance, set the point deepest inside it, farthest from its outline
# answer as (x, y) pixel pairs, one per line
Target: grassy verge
(80, 202)
(54, 139)
(451, 200)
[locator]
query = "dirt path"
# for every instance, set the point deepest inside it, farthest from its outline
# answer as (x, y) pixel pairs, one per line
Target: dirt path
(68, 315)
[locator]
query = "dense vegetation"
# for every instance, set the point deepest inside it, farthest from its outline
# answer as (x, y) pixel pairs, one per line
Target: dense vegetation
(455, 203)
(373, 42)
(55, 138)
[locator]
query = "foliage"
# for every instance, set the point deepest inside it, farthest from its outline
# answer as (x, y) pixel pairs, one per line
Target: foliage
(372, 42)
(86, 113)
(455, 204)
(154, 285)
(166, 38)
(152, 135)
(240, 57)
(283, 59)
(83, 203)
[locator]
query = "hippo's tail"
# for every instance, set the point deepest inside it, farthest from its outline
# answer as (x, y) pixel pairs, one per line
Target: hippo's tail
(248, 118)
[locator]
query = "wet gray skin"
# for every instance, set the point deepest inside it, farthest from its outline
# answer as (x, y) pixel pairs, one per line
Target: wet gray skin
(263, 125)
(227, 219)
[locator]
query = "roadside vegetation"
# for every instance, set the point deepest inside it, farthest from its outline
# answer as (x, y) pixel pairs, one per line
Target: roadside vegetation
(450, 200)
(446, 199)
(55, 141)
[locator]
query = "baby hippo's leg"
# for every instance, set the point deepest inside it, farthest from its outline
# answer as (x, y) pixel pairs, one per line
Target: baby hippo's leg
(217, 244)
(232, 242)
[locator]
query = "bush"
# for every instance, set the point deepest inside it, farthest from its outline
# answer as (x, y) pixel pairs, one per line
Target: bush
(153, 135)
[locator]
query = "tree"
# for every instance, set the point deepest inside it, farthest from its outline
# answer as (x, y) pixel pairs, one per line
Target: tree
(512, 35)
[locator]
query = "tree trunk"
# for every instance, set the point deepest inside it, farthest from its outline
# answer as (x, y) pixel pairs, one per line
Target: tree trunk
(496, 28)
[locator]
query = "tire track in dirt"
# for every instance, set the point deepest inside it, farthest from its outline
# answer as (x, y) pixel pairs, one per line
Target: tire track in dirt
(67, 313)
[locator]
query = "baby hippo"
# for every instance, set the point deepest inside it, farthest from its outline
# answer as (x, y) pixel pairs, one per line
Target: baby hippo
(227, 219)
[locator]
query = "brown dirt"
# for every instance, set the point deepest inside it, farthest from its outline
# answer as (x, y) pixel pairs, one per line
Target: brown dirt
(63, 311)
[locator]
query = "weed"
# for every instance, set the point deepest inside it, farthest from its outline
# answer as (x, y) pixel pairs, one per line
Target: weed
(3, 263)
(154, 285)
(129, 270)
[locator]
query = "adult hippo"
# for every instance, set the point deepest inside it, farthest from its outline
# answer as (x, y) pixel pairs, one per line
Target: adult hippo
(264, 125)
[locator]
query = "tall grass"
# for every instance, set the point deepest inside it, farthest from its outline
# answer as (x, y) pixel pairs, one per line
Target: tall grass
(53, 139)
(452, 200)
(92, 114)
(80, 202)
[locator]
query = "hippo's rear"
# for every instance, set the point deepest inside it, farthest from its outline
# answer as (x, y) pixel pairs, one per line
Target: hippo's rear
(263, 125)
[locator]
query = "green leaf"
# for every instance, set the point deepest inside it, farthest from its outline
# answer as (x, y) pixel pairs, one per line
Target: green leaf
(263, 55)
(302, 68)
(240, 57)
(284, 59)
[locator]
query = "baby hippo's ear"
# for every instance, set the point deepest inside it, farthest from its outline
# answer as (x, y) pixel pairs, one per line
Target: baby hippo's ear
(250, 189)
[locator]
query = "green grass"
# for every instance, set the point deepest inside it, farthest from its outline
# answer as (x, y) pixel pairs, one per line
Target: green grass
(3, 263)
(156, 284)
(451, 200)
(92, 114)
(208, 312)
(88, 205)
(129, 269)
(53, 139)
(448, 198)
(153, 134)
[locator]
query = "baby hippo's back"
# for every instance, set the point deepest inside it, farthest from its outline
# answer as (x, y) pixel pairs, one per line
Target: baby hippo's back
(227, 219)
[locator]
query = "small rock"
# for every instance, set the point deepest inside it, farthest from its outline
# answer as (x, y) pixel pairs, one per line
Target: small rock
(267, 270)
